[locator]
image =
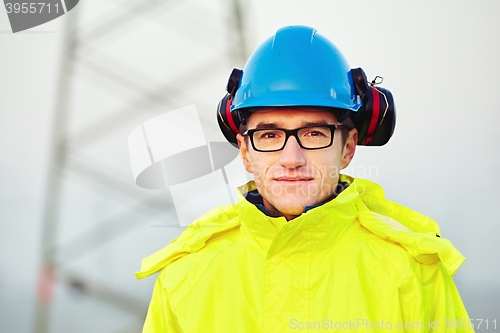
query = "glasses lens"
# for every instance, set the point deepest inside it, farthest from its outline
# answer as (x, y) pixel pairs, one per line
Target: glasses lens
(315, 137)
(309, 137)
(269, 139)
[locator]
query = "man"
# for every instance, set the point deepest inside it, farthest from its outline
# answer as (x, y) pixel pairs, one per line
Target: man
(305, 248)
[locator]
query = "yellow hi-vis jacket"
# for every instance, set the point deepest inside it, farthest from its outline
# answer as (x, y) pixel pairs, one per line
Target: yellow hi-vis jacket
(358, 263)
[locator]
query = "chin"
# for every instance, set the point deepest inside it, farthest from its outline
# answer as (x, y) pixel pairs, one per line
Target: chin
(295, 208)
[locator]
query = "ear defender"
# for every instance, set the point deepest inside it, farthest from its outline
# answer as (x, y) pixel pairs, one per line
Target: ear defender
(376, 119)
(229, 122)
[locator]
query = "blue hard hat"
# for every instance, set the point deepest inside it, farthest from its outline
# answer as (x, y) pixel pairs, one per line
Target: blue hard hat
(296, 67)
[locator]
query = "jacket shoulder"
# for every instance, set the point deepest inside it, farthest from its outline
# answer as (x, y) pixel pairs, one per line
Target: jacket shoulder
(418, 234)
(369, 247)
(181, 275)
(211, 228)
(424, 245)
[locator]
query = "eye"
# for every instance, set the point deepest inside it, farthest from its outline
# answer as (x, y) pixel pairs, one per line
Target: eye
(315, 132)
(271, 134)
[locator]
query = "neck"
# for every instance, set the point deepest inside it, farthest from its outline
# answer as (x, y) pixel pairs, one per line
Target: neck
(274, 212)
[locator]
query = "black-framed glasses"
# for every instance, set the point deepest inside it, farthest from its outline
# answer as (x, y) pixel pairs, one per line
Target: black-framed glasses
(308, 137)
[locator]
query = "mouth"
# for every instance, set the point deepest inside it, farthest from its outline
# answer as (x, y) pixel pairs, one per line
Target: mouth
(293, 179)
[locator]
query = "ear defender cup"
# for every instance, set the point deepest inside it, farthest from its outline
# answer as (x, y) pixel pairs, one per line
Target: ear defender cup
(229, 122)
(376, 119)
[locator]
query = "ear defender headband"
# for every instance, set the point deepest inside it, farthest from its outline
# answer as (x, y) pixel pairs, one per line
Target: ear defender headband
(375, 120)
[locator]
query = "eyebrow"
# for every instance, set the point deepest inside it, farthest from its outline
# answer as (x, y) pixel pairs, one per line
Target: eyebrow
(263, 125)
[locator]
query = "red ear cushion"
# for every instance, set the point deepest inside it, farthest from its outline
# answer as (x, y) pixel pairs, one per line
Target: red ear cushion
(229, 116)
(378, 118)
(375, 107)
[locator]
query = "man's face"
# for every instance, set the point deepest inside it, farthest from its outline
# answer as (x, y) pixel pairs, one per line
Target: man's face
(293, 178)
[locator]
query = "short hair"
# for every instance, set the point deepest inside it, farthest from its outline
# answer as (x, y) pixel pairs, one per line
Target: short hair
(342, 115)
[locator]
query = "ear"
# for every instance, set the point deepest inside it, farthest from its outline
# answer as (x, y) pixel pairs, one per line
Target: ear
(245, 155)
(349, 148)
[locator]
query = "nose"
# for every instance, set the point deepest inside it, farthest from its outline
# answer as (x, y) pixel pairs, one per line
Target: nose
(292, 155)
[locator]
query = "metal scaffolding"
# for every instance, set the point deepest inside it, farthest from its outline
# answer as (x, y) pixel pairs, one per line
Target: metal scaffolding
(83, 59)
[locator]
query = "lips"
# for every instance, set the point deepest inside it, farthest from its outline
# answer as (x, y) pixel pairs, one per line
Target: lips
(293, 179)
